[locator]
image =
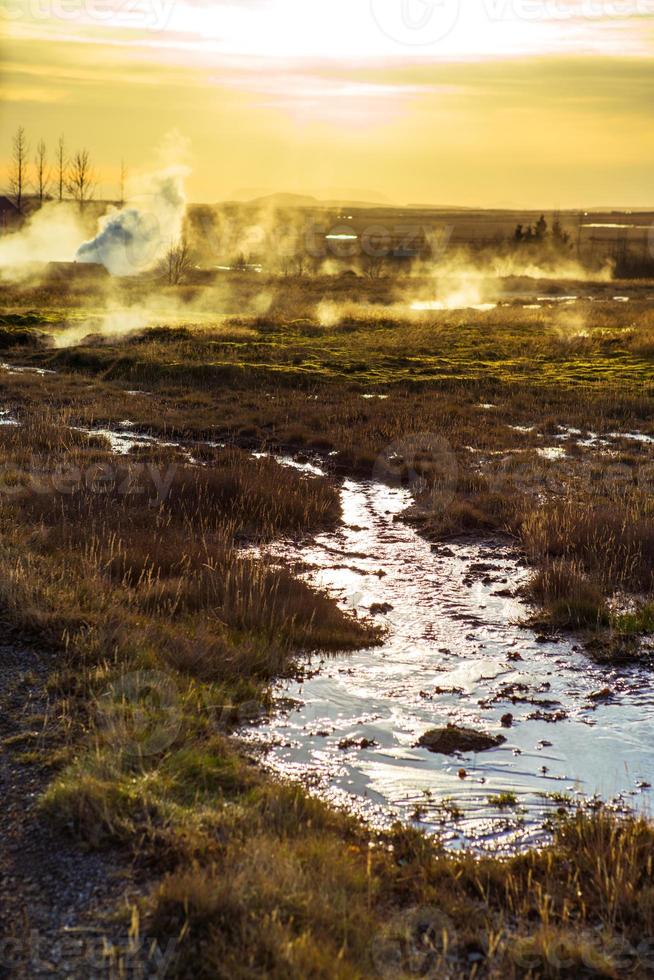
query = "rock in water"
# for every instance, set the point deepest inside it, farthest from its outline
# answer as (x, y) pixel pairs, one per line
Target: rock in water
(453, 739)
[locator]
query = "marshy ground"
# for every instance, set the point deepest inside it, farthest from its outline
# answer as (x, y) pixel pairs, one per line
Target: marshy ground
(165, 569)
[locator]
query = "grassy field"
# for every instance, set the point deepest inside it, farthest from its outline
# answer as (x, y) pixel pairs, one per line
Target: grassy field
(144, 571)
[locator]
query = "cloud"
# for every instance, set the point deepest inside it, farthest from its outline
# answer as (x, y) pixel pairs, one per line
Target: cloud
(398, 30)
(297, 96)
(32, 93)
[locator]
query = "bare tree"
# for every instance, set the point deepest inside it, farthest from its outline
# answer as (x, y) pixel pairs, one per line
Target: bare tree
(61, 167)
(374, 266)
(81, 178)
(176, 262)
(19, 166)
(123, 178)
(42, 171)
(295, 263)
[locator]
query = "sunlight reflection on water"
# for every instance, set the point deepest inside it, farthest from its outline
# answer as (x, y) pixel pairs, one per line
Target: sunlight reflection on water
(454, 652)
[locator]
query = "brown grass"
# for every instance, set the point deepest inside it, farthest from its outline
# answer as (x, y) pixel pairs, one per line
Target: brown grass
(260, 879)
(570, 598)
(612, 540)
(580, 907)
(157, 546)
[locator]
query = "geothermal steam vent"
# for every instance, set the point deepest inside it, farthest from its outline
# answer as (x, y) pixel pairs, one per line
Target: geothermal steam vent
(134, 239)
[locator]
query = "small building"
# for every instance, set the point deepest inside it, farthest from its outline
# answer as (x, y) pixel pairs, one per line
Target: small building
(10, 216)
(85, 271)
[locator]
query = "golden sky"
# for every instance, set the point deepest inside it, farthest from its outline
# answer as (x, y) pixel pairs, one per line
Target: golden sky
(543, 103)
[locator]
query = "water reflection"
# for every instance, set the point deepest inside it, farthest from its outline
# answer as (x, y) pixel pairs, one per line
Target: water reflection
(454, 652)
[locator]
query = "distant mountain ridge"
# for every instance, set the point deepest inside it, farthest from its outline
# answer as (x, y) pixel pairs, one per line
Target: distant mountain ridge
(368, 199)
(288, 200)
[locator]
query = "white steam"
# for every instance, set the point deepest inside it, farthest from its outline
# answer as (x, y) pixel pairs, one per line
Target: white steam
(459, 294)
(51, 234)
(466, 269)
(110, 325)
(136, 237)
(464, 281)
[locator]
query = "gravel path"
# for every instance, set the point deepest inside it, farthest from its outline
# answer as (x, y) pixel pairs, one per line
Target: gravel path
(58, 902)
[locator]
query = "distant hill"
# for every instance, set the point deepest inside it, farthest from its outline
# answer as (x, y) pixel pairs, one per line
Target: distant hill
(332, 197)
(282, 201)
(440, 207)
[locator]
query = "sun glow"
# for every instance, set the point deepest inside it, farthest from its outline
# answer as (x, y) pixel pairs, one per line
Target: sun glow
(401, 29)
(452, 98)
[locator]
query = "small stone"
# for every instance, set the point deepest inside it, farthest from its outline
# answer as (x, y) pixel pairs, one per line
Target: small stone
(604, 695)
(357, 743)
(380, 608)
(548, 716)
(442, 552)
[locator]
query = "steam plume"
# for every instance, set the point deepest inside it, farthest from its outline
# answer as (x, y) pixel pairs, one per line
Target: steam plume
(135, 238)
(51, 234)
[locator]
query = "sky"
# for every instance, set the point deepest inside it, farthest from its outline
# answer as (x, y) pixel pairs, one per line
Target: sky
(494, 103)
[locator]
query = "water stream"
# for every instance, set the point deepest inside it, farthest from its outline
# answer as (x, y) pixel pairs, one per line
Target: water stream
(454, 652)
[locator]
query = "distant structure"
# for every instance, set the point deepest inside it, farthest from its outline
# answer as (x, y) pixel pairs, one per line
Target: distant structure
(87, 271)
(10, 216)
